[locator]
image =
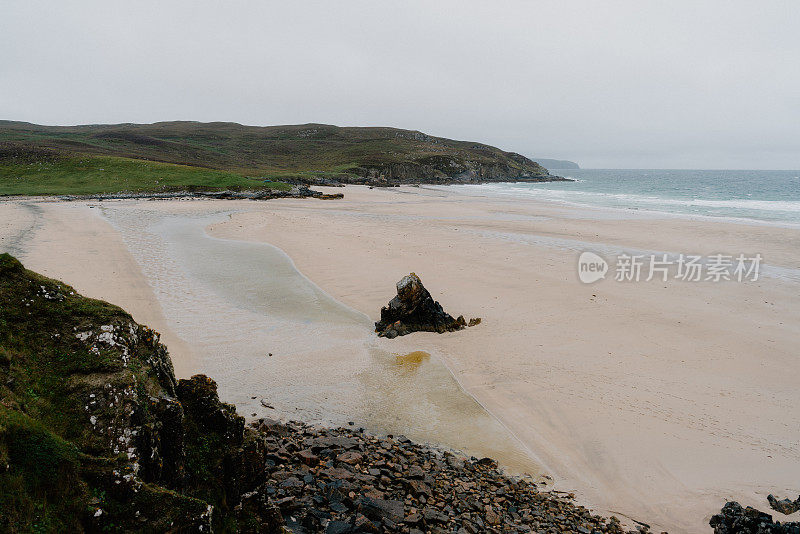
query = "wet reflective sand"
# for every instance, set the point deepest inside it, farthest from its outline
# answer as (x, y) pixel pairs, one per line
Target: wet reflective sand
(263, 331)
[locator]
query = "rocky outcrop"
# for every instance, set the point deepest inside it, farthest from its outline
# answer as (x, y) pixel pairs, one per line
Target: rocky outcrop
(95, 432)
(449, 170)
(784, 506)
(298, 191)
(733, 519)
(414, 310)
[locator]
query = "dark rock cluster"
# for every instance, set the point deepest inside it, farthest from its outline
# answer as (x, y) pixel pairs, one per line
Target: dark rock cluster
(784, 506)
(298, 191)
(346, 481)
(733, 519)
(414, 310)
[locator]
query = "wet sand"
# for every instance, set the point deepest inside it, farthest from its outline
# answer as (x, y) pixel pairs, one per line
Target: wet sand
(653, 400)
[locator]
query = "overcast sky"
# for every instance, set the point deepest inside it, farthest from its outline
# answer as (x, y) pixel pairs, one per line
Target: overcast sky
(607, 84)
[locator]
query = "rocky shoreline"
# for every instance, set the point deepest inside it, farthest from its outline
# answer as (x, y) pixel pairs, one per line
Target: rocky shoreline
(343, 480)
(96, 434)
(376, 178)
(298, 191)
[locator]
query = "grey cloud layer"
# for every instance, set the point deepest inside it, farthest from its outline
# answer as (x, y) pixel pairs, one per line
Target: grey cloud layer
(608, 84)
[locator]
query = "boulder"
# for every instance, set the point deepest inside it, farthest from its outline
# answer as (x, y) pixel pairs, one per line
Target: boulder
(381, 509)
(733, 519)
(414, 310)
(784, 506)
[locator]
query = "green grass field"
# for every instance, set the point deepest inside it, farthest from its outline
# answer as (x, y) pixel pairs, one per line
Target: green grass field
(84, 175)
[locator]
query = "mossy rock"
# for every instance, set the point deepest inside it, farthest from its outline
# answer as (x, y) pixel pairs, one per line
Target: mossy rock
(93, 436)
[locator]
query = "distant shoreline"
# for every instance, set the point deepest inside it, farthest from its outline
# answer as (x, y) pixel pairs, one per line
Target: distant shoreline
(758, 197)
(297, 191)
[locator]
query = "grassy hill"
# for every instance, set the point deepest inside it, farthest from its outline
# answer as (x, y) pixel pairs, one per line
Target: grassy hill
(82, 174)
(108, 158)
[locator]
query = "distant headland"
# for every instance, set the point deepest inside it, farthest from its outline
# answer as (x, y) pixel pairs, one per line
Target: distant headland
(556, 163)
(176, 156)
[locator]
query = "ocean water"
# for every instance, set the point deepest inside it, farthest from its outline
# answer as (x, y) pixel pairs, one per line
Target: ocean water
(764, 196)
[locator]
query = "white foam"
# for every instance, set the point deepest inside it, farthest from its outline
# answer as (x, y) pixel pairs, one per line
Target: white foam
(773, 212)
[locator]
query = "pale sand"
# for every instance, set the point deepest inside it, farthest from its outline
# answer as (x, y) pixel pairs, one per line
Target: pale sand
(72, 242)
(655, 400)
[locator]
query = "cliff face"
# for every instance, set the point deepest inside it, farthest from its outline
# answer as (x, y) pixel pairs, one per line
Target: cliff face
(448, 170)
(95, 432)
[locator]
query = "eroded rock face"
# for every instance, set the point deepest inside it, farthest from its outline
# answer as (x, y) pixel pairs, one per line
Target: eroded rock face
(443, 169)
(112, 442)
(414, 310)
(200, 401)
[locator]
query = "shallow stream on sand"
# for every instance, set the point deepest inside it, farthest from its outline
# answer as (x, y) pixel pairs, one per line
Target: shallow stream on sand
(280, 347)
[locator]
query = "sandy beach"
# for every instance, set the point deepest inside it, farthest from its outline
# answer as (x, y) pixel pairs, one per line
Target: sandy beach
(656, 401)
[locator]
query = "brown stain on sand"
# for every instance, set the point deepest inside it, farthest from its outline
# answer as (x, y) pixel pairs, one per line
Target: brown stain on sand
(412, 360)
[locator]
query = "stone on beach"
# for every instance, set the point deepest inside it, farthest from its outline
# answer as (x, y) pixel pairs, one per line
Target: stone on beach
(733, 519)
(784, 506)
(414, 310)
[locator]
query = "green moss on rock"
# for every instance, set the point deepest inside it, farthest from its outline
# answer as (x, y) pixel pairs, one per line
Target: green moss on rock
(95, 432)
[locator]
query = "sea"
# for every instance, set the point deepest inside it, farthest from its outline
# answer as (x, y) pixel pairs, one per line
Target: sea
(770, 197)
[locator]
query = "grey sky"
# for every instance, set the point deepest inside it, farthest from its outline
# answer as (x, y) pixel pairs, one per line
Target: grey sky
(607, 84)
